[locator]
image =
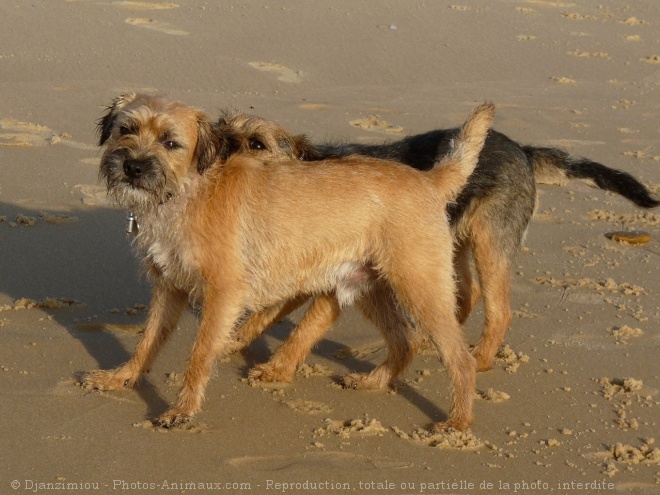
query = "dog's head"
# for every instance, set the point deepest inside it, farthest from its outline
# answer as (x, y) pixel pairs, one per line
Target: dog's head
(265, 139)
(155, 146)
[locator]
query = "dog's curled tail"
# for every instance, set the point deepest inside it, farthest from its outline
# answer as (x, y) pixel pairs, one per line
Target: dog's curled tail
(452, 171)
(554, 166)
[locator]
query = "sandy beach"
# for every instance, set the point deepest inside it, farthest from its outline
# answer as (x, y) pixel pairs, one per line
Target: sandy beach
(570, 407)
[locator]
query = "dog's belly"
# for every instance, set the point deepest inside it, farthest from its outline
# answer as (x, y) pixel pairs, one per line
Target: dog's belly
(347, 280)
(352, 280)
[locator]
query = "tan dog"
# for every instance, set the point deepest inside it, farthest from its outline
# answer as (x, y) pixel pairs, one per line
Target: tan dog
(246, 233)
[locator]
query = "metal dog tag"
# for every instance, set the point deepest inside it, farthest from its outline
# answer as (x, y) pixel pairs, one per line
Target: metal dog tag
(132, 225)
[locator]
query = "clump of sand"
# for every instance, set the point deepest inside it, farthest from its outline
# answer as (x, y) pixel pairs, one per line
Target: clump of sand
(629, 455)
(622, 334)
(608, 284)
(173, 379)
(612, 387)
(510, 358)
(191, 427)
(308, 406)
(449, 439)
(28, 221)
(57, 218)
(375, 123)
(645, 218)
(48, 303)
(493, 395)
(344, 429)
(306, 370)
(625, 422)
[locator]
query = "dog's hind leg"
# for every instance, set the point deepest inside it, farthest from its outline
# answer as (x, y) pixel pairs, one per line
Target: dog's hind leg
(316, 322)
(380, 306)
(164, 313)
(420, 270)
(494, 268)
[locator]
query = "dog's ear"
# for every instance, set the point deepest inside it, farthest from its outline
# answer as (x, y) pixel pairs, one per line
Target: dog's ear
(208, 144)
(298, 147)
(304, 150)
(215, 141)
(105, 123)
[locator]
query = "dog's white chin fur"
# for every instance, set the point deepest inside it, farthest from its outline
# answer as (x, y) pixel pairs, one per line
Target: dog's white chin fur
(129, 196)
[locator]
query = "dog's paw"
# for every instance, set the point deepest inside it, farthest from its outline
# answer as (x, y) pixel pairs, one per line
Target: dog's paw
(172, 419)
(107, 380)
(450, 425)
(484, 360)
(270, 373)
(360, 381)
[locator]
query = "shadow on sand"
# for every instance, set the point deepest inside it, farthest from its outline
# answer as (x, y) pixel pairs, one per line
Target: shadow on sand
(84, 256)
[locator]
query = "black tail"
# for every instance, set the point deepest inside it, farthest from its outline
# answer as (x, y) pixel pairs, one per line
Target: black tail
(554, 165)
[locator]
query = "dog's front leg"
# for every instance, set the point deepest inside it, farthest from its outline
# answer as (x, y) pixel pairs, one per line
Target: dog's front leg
(222, 308)
(165, 310)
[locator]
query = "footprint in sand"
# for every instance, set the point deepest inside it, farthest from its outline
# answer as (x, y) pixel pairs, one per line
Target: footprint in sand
(146, 5)
(579, 17)
(162, 27)
(284, 73)
(94, 195)
(313, 106)
(563, 80)
(632, 21)
(16, 133)
(374, 123)
(653, 59)
(585, 54)
(551, 4)
(308, 406)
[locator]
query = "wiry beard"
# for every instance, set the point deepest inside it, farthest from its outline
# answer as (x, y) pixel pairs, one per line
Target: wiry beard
(144, 193)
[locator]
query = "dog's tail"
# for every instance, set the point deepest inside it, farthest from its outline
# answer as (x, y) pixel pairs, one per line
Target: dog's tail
(452, 171)
(554, 166)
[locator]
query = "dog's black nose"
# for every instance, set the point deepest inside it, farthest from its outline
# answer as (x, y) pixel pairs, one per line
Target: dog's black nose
(134, 168)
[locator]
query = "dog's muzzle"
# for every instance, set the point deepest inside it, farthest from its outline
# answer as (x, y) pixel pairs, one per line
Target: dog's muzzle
(135, 169)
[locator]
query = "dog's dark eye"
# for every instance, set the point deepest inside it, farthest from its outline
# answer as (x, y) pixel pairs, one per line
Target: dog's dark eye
(255, 144)
(171, 145)
(123, 130)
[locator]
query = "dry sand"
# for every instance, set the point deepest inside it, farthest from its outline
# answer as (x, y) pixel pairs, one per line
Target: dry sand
(572, 405)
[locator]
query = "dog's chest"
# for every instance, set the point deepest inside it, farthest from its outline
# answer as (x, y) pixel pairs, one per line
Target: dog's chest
(167, 248)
